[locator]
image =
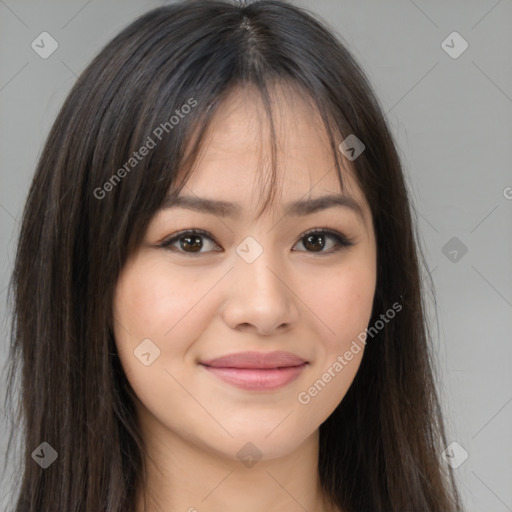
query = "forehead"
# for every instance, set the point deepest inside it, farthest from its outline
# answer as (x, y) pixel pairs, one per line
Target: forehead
(234, 164)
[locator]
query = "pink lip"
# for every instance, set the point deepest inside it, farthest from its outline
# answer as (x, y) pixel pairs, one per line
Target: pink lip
(257, 370)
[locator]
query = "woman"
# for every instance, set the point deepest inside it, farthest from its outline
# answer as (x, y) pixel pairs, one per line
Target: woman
(182, 348)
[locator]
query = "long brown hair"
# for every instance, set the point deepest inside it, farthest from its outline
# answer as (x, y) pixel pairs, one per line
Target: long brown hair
(379, 450)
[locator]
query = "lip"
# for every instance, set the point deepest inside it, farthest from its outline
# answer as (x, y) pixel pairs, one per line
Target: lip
(257, 370)
(256, 360)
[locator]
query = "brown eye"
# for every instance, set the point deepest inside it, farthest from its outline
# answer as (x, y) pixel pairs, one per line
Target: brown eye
(190, 241)
(314, 241)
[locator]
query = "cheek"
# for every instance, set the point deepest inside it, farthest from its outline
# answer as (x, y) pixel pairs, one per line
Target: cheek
(150, 300)
(153, 303)
(171, 308)
(344, 303)
(344, 306)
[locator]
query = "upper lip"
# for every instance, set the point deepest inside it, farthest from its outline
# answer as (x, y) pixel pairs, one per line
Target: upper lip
(263, 360)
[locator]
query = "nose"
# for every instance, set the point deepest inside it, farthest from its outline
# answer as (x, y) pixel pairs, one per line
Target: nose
(259, 298)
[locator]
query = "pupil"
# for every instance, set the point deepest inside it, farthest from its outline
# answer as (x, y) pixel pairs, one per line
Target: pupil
(318, 237)
(187, 239)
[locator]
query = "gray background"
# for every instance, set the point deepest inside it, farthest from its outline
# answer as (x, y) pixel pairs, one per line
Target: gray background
(452, 121)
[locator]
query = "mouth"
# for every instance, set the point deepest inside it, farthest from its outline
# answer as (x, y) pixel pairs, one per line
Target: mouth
(257, 371)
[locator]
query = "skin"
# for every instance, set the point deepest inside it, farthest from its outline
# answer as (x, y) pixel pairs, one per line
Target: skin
(197, 306)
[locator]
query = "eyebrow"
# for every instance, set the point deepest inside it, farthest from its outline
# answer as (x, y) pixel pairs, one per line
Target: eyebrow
(301, 207)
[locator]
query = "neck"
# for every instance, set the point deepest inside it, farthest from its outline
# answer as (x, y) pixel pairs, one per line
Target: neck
(185, 477)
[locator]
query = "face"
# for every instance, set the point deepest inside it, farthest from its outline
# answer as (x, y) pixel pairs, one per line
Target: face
(249, 285)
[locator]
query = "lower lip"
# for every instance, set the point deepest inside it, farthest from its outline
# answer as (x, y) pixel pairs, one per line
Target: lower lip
(258, 379)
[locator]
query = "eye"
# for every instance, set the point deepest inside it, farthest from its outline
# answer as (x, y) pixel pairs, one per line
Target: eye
(315, 239)
(190, 241)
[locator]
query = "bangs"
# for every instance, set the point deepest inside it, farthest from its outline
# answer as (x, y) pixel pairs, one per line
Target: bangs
(164, 94)
(164, 171)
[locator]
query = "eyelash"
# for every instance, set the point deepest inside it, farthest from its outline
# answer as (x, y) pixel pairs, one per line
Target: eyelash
(342, 242)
